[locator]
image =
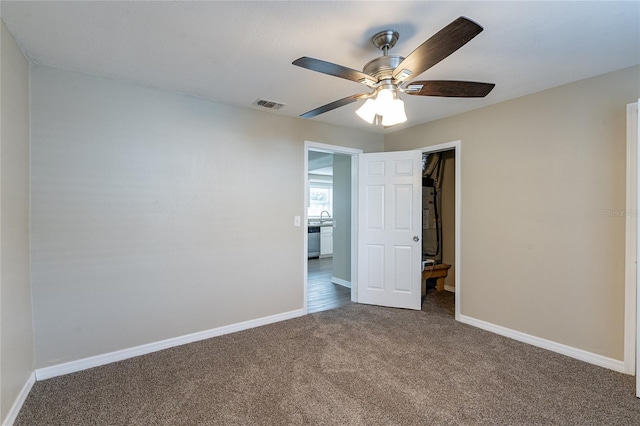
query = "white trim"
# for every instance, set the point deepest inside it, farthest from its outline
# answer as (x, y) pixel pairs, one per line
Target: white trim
(19, 402)
(457, 149)
(95, 361)
(450, 288)
(458, 219)
(636, 120)
(582, 355)
(305, 226)
(341, 282)
(631, 241)
(332, 149)
(355, 161)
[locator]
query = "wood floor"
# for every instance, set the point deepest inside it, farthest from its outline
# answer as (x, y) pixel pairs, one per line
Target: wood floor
(322, 294)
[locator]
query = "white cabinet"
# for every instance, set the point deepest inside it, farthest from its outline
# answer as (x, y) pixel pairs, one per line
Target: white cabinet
(326, 241)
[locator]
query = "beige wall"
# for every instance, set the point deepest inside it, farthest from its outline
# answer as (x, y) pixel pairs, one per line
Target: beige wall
(541, 253)
(16, 354)
(156, 215)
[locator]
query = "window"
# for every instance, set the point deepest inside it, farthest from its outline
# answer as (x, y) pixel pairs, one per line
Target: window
(320, 198)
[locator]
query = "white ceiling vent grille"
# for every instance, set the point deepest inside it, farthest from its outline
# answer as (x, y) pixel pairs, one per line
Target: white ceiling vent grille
(268, 104)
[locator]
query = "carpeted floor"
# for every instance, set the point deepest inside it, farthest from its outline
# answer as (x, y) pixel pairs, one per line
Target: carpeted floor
(356, 365)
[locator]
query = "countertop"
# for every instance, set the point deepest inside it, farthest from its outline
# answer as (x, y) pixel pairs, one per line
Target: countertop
(321, 224)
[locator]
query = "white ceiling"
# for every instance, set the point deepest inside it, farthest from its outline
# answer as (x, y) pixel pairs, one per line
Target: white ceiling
(237, 52)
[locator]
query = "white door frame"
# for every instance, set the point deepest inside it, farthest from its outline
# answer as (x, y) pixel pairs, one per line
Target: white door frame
(332, 149)
(457, 149)
(631, 245)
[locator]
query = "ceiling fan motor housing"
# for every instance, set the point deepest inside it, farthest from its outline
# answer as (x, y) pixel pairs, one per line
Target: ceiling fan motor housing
(382, 67)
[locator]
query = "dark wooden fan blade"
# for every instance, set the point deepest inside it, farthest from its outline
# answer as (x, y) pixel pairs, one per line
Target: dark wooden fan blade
(334, 105)
(449, 88)
(335, 70)
(439, 46)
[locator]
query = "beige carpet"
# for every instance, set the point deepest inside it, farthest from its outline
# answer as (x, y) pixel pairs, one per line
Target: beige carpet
(356, 365)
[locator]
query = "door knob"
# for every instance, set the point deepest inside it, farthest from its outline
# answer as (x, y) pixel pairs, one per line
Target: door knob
(416, 238)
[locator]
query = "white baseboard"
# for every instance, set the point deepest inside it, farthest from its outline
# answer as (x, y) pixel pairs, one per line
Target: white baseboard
(450, 288)
(98, 360)
(17, 404)
(341, 282)
(582, 355)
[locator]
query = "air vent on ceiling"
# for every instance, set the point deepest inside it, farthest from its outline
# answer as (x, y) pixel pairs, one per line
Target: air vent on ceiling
(268, 104)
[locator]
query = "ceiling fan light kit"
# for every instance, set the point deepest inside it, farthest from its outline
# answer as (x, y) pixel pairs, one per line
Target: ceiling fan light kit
(388, 75)
(395, 114)
(385, 108)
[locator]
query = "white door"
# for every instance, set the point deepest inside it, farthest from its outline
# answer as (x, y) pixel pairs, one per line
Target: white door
(389, 229)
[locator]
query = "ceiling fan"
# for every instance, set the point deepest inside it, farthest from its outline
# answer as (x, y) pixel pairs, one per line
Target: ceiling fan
(389, 75)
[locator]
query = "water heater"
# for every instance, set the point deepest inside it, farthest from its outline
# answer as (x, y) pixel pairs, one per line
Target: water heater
(429, 222)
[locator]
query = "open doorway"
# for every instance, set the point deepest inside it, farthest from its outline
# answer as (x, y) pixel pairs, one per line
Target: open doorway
(329, 210)
(328, 281)
(439, 229)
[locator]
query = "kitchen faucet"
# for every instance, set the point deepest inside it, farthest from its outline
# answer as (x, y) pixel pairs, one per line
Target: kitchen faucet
(328, 215)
